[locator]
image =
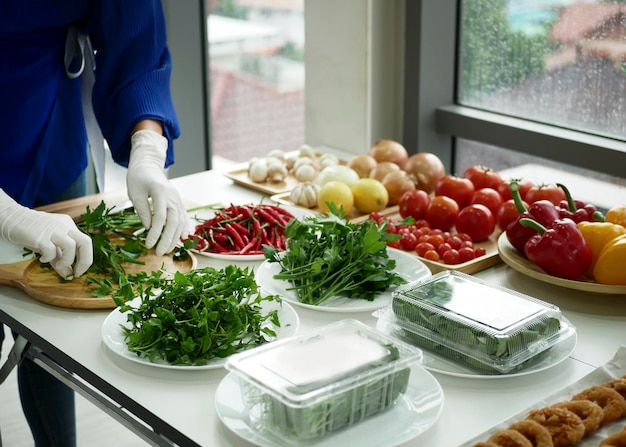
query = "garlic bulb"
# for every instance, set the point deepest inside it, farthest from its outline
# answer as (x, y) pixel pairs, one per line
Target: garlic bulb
(305, 194)
(307, 151)
(305, 173)
(276, 172)
(258, 170)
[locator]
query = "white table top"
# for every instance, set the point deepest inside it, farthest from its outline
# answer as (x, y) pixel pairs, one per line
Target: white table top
(471, 406)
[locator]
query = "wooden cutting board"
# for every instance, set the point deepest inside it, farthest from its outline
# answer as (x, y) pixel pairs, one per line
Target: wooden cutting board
(45, 285)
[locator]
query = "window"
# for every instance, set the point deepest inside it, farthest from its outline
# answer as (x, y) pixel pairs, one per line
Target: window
(530, 82)
(256, 77)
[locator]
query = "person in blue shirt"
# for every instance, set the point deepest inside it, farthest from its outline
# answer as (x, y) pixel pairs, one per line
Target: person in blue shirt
(43, 147)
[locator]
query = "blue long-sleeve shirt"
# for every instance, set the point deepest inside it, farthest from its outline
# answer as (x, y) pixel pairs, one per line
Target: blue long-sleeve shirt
(42, 135)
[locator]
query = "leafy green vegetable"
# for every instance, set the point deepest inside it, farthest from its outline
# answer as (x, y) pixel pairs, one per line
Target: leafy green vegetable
(328, 256)
(199, 315)
(335, 412)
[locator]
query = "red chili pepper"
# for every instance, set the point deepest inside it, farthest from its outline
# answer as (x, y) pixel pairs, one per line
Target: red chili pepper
(543, 211)
(560, 250)
(577, 210)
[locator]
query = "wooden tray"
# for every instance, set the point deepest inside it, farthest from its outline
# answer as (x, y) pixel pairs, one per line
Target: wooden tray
(240, 176)
(44, 284)
(516, 260)
(490, 258)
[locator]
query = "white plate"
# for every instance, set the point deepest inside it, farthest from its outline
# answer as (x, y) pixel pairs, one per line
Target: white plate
(559, 353)
(113, 335)
(196, 218)
(416, 411)
(519, 262)
(407, 266)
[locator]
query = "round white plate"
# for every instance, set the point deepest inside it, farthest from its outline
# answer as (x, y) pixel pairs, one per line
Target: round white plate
(559, 353)
(414, 412)
(197, 217)
(407, 266)
(519, 262)
(113, 335)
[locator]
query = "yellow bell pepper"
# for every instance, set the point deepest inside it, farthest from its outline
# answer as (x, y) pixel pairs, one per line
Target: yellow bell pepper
(617, 215)
(609, 268)
(597, 235)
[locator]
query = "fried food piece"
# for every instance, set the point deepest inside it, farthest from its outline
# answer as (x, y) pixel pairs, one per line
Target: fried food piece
(617, 439)
(613, 403)
(565, 427)
(509, 438)
(590, 412)
(537, 434)
(618, 385)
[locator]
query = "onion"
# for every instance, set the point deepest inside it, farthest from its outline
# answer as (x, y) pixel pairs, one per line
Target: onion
(382, 169)
(389, 150)
(362, 164)
(339, 173)
(426, 169)
(397, 183)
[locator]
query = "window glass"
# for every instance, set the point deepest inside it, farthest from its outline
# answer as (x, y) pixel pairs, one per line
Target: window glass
(256, 59)
(561, 62)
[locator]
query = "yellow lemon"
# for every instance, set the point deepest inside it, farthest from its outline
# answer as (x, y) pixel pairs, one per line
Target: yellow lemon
(370, 195)
(335, 192)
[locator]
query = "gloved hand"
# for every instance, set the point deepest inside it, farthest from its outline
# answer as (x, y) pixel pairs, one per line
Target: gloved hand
(164, 215)
(54, 236)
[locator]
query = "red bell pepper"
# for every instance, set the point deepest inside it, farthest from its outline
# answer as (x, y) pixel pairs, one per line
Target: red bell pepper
(577, 210)
(543, 211)
(560, 250)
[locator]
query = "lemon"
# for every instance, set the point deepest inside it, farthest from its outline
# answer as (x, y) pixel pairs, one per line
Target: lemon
(369, 195)
(335, 192)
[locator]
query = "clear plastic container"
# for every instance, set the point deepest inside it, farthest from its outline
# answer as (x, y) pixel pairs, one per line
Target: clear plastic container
(491, 329)
(308, 386)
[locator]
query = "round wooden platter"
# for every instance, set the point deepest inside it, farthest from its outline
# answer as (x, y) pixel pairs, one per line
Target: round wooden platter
(519, 262)
(45, 285)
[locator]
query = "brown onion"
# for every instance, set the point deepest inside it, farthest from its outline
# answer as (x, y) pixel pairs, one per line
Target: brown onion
(397, 183)
(362, 164)
(389, 150)
(382, 169)
(426, 169)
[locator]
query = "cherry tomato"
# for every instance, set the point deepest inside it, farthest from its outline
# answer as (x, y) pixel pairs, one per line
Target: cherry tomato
(414, 203)
(442, 212)
(423, 247)
(466, 254)
(477, 221)
(545, 192)
(482, 177)
(460, 189)
(450, 257)
(408, 241)
(432, 255)
(488, 197)
(376, 216)
(507, 213)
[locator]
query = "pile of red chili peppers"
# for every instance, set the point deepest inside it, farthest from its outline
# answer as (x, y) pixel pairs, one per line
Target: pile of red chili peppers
(549, 237)
(243, 229)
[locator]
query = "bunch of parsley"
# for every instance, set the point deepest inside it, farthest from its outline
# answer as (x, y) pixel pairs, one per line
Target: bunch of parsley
(327, 256)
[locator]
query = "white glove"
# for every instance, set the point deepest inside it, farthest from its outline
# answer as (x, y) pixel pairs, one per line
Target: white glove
(54, 236)
(146, 180)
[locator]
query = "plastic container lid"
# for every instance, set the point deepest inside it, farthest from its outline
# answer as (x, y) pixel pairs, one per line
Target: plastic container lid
(490, 328)
(306, 386)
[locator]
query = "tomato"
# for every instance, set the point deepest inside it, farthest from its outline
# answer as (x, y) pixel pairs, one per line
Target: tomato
(423, 247)
(483, 177)
(466, 254)
(408, 241)
(442, 212)
(507, 213)
(451, 257)
(488, 197)
(477, 221)
(414, 203)
(376, 216)
(545, 192)
(460, 189)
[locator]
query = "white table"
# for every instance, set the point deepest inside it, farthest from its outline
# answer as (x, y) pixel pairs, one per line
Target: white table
(180, 404)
